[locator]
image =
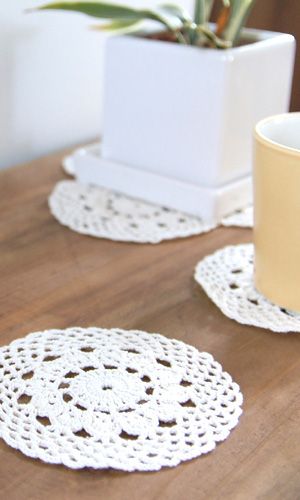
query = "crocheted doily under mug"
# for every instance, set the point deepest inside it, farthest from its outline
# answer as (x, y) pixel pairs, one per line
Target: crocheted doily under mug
(227, 278)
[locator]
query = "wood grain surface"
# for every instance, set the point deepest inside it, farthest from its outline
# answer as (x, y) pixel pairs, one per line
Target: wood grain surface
(52, 277)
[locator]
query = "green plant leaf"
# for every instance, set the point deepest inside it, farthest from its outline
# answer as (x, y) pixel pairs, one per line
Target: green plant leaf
(239, 12)
(105, 10)
(95, 9)
(177, 11)
(199, 13)
(203, 10)
(118, 25)
(208, 9)
(215, 41)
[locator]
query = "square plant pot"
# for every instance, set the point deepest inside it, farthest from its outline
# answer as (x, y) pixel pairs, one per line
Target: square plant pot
(184, 114)
(188, 112)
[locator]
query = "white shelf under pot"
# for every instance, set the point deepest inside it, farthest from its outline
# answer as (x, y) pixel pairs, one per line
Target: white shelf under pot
(211, 204)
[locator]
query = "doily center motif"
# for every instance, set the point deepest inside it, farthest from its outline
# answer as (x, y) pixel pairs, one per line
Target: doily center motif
(227, 278)
(113, 398)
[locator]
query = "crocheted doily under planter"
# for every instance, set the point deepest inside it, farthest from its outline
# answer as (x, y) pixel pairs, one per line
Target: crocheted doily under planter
(227, 278)
(240, 218)
(103, 213)
(129, 400)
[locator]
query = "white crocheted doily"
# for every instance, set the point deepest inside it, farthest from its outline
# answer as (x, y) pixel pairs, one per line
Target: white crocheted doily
(240, 218)
(103, 213)
(89, 397)
(227, 278)
(68, 166)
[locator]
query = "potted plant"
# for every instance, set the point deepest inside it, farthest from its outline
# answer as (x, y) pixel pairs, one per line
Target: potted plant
(181, 100)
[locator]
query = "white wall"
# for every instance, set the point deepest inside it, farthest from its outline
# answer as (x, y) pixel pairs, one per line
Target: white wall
(51, 73)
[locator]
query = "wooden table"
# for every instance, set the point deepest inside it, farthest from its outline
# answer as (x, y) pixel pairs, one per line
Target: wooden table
(52, 277)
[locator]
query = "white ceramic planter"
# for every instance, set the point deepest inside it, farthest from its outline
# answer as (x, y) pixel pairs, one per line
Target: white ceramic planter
(188, 113)
(180, 116)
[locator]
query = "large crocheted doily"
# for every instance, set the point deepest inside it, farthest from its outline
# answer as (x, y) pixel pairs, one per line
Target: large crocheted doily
(227, 278)
(103, 213)
(89, 397)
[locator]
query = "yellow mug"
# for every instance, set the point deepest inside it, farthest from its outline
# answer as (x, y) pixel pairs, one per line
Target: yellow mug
(277, 209)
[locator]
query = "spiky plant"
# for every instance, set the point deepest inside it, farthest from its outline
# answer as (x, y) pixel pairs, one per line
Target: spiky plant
(177, 22)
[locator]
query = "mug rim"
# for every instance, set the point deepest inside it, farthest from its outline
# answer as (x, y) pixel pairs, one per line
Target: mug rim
(273, 144)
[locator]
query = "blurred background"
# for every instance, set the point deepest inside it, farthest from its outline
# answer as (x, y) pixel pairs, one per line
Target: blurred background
(51, 74)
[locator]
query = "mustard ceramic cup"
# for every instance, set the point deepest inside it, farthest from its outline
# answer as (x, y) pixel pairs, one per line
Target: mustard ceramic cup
(277, 209)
